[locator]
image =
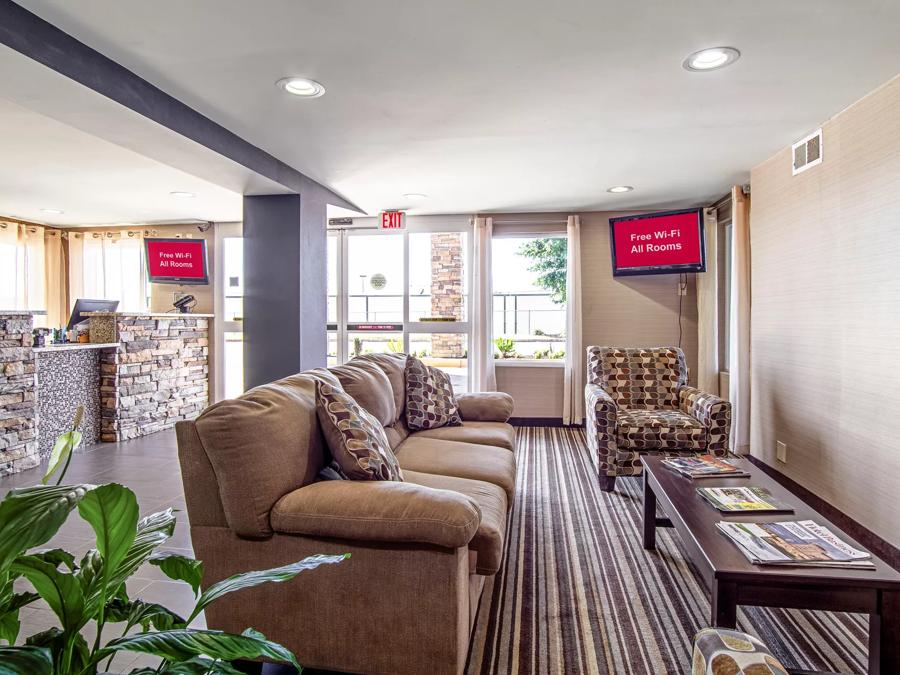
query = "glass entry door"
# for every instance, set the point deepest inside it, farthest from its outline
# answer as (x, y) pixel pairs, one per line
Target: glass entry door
(229, 312)
(401, 292)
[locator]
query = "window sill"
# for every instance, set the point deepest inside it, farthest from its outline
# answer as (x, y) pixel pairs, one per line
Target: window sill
(530, 363)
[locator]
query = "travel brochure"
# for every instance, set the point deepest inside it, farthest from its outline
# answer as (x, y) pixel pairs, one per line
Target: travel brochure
(739, 499)
(704, 466)
(796, 543)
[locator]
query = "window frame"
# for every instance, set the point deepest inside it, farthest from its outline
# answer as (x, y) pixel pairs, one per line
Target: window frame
(528, 234)
(414, 225)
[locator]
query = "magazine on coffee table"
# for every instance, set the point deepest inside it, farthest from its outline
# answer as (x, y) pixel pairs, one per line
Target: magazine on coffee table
(704, 466)
(743, 499)
(798, 543)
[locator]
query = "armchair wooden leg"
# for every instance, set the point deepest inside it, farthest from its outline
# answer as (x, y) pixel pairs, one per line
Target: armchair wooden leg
(607, 483)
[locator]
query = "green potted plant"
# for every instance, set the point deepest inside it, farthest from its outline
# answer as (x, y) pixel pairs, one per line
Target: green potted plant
(91, 591)
(506, 347)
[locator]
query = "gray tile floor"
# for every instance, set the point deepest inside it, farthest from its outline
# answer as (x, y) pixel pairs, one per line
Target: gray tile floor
(149, 466)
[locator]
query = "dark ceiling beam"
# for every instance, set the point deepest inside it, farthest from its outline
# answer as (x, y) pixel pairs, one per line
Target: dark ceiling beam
(40, 40)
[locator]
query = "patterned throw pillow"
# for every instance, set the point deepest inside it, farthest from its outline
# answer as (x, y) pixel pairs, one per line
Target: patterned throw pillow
(356, 439)
(430, 402)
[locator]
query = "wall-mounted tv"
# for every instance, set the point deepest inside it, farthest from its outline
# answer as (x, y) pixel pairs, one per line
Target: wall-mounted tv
(176, 261)
(658, 243)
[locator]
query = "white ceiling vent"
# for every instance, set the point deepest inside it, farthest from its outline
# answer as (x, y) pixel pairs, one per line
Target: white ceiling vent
(807, 152)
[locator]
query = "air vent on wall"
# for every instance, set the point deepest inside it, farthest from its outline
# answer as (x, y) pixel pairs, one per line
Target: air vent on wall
(807, 152)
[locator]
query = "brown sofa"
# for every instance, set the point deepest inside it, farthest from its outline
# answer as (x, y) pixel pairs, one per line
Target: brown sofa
(406, 600)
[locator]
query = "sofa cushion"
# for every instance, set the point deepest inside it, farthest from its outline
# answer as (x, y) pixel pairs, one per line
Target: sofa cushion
(491, 500)
(498, 434)
(659, 430)
(397, 433)
(379, 511)
(367, 384)
(463, 460)
(356, 439)
(485, 406)
(430, 402)
(394, 366)
(261, 446)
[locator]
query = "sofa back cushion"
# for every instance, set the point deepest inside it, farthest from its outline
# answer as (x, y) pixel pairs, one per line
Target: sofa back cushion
(262, 446)
(357, 441)
(392, 365)
(639, 377)
(369, 386)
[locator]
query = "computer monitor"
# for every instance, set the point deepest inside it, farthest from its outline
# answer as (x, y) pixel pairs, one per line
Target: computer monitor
(83, 305)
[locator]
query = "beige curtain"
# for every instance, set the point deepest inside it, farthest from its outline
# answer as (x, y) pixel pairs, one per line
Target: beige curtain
(573, 379)
(481, 362)
(739, 344)
(22, 282)
(55, 278)
(708, 310)
(109, 265)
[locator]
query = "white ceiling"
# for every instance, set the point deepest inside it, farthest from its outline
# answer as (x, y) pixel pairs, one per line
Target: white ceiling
(92, 180)
(505, 105)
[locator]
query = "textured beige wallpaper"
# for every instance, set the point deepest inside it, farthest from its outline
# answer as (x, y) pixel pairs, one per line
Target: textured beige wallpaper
(825, 321)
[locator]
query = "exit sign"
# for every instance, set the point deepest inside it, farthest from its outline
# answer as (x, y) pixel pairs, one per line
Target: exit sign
(392, 220)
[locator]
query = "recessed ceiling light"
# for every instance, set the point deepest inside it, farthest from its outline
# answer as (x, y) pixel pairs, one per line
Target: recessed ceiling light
(616, 189)
(302, 87)
(711, 59)
(415, 196)
(55, 211)
(182, 195)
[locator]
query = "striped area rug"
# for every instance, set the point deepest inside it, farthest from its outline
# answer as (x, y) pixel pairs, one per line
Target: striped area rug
(579, 594)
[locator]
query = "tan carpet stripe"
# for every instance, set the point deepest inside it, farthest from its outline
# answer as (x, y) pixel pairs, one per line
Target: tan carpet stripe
(579, 595)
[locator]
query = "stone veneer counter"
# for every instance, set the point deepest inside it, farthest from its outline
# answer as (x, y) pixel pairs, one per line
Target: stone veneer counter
(158, 375)
(18, 418)
(68, 376)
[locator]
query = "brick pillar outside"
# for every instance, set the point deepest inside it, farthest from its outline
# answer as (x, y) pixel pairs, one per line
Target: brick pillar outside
(447, 291)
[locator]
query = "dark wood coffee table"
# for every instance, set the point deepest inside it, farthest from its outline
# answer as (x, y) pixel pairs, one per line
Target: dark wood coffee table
(733, 580)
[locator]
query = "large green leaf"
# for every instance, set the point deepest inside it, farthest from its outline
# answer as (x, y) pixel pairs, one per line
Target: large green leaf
(152, 531)
(25, 661)
(61, 591)
(180, 568)
(62, 449)
(184, 644)
(30, 516)
(58, 642)
(196, 666)
(9, 615)
(250, 579)
(57, 557)
(138, 612)
(9, 626)
(112, 511)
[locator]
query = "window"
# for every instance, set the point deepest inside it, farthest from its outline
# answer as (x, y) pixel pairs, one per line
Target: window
(529, 307)
(22, 284)
(401, 292)
(109, 265)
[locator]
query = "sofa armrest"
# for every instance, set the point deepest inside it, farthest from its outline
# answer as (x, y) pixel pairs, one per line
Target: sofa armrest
(712, 412)
(485, 406)
(388, 511)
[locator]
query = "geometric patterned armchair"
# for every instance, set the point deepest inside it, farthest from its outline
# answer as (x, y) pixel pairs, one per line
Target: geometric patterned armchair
(637, 401)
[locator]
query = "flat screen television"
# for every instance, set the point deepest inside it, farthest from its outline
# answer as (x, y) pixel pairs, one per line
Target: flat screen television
(658, 243)
(177, 261)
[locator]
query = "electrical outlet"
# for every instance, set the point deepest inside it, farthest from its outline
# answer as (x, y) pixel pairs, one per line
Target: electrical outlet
(781, 451)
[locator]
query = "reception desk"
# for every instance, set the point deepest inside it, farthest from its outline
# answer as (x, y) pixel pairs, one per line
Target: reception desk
(140, 374)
